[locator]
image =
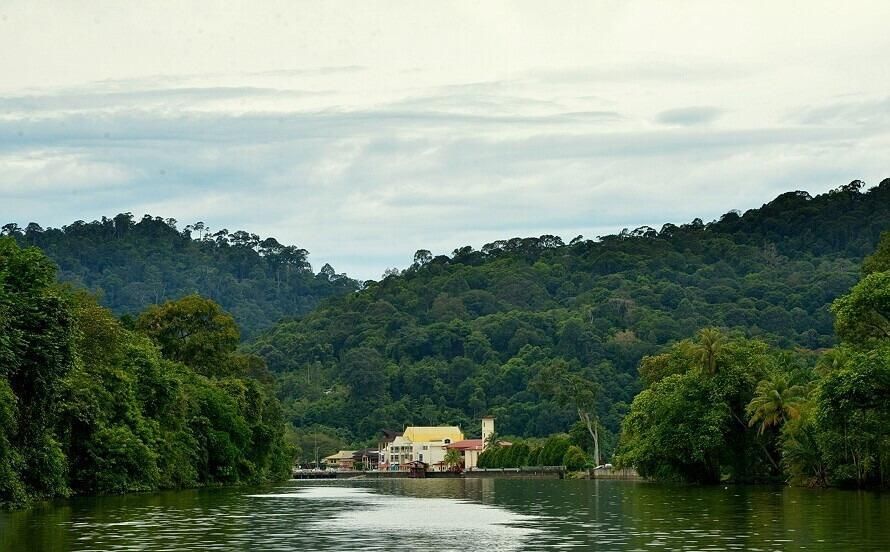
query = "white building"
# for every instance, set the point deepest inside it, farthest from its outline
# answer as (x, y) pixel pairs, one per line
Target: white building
(420, 443)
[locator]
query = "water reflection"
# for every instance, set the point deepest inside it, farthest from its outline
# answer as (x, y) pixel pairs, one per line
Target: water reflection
(456, 514)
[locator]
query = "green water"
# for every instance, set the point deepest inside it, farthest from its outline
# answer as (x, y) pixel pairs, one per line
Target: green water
(458, 514)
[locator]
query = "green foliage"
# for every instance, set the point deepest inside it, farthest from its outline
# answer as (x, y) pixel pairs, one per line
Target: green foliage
(828, 417)
(192, 330)
(775, 402)
(879, 261)
(554, 450)
(509, 456)
(453, 460)
(38, 332)
(692, 425)
(91, 407)
(534, 457)
(574, 459)
(518, 455)
(674, 430)
(802, 457)
(455, 337)
(444, 341)
(847, 442)
(853, 419)
(314, 442)
(12, 488)
(133, 264)
(863, 316)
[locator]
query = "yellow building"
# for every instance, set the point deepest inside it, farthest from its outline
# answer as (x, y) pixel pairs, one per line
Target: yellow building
(420, 443)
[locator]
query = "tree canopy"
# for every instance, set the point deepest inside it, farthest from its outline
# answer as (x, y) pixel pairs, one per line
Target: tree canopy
(89, 406)
(820, 417)
(132, 264)
(450, 338)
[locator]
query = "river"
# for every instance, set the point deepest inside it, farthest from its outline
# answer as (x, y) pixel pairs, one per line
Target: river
(459, 514)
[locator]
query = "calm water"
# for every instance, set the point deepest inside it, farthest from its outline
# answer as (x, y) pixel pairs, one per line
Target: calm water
(457, 514)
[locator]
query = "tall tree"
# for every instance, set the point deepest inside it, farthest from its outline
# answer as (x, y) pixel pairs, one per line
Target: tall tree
(775, 402)
(710, 343)
(192, 330)
(566, 387)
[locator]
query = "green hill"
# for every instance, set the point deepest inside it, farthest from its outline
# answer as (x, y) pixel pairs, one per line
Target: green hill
(135, 264)
(451, 338)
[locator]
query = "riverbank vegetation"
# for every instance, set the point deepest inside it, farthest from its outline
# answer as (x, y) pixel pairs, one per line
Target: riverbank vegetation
(89, 405)
(723, 407)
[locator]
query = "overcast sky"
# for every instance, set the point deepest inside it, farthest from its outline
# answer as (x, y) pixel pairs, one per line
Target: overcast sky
(363, 131)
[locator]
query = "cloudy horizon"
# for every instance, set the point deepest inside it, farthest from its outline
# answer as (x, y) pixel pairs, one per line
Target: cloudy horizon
(363, 133)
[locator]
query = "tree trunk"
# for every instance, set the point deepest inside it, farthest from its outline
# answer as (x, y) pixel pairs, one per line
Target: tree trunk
(594, 434)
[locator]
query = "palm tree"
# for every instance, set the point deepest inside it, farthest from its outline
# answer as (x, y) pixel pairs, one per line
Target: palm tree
(831, 360)
(453, 460)
(710, 343)
(801, 453)
(775, 402)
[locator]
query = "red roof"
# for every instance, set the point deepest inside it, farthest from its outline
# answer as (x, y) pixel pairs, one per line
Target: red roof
(467, 444)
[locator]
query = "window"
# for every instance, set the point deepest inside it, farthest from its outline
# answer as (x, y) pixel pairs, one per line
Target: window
(447, 441)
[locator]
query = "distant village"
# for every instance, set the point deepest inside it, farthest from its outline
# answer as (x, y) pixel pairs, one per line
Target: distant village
(419, 448)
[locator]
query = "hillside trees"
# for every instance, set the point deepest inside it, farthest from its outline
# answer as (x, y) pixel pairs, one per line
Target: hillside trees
(132, 264)
(457, 336)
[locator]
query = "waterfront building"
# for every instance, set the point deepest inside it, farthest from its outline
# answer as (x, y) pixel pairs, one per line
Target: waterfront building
(342, 460)
(420, 444)
(429, 444)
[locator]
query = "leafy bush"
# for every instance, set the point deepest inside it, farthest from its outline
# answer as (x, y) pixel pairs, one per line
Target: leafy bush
(574, 459)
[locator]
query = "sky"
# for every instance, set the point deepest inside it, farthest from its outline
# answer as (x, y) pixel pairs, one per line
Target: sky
(363, 131)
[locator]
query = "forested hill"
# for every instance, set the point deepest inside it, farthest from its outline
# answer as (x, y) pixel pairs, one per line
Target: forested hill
(132, 265)
(453, 337)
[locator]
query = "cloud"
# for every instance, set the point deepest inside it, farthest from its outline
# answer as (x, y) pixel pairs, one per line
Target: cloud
(364, 178)
(664, 70)
(161, 98)
(42, 172)
(363, 189)
(689, 116)
(868, 112)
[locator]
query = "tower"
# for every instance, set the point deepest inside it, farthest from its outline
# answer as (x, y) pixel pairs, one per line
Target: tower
(487, 429)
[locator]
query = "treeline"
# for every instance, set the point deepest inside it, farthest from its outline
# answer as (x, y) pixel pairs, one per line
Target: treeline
(131, 265)
(89, 405)
(453, 337)
(725, 407)
(557, 450)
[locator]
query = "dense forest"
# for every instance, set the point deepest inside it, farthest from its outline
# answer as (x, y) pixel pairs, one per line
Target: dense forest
(89, 405)
(131, 265)
(729, 408)
(453, 337)
(546, 335)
